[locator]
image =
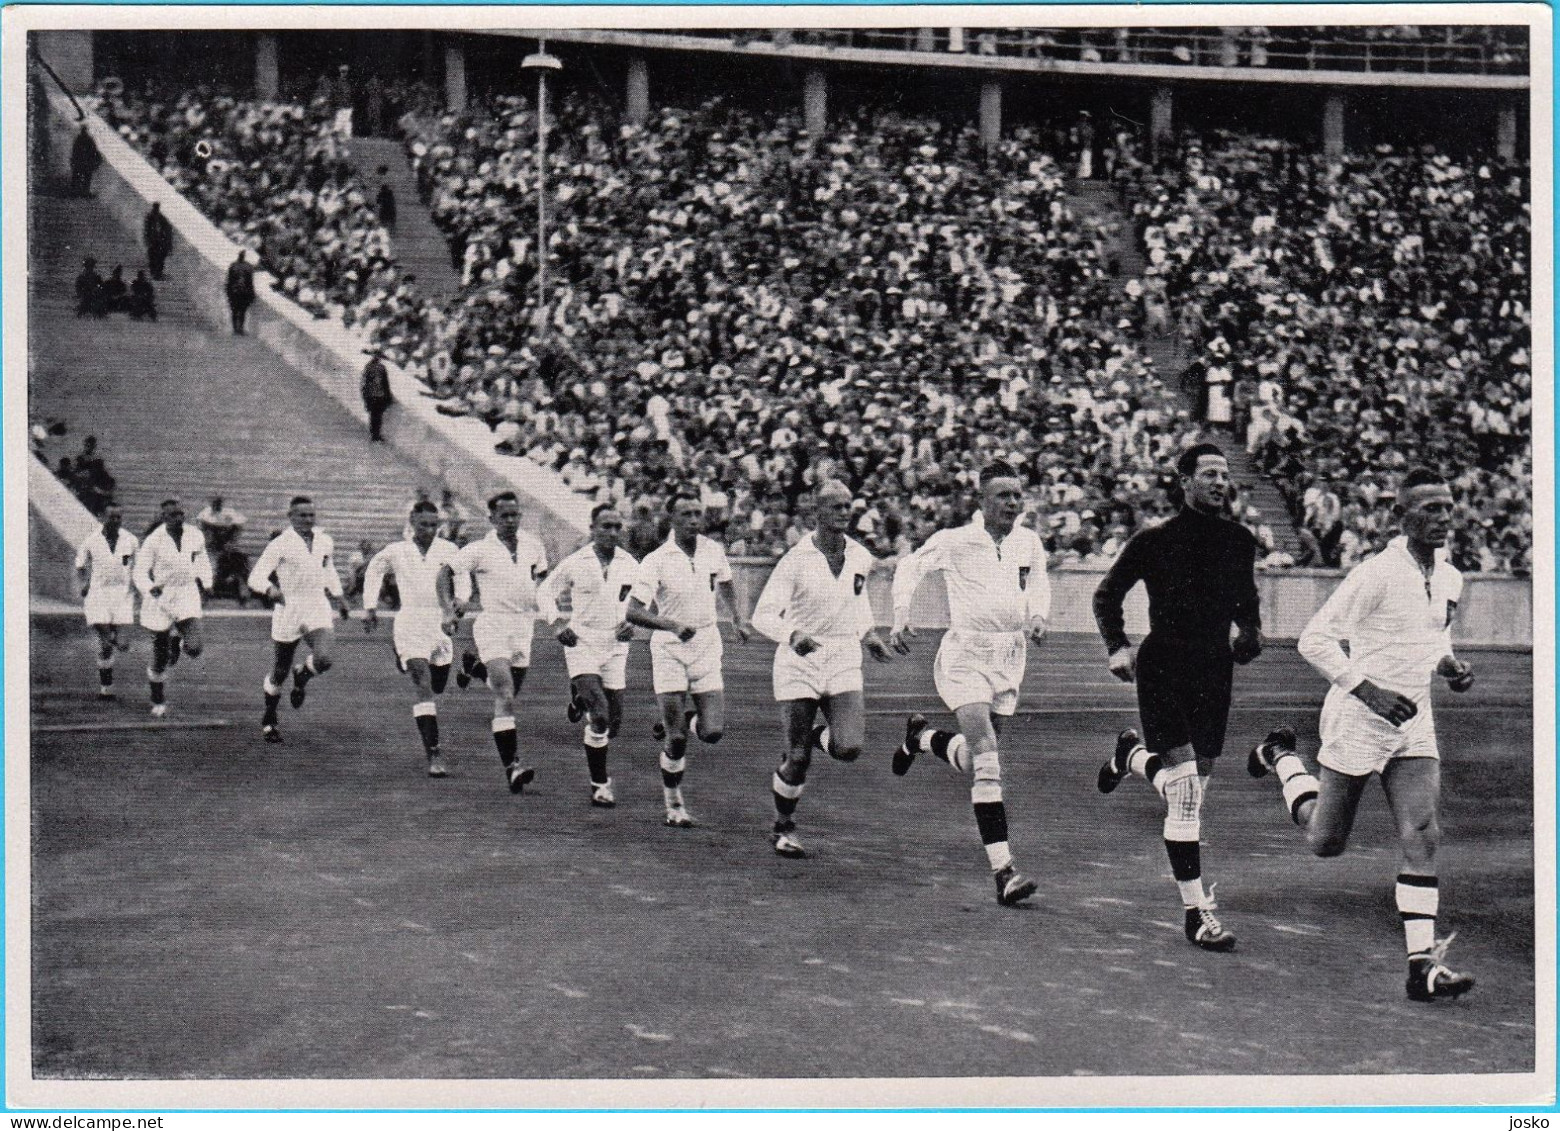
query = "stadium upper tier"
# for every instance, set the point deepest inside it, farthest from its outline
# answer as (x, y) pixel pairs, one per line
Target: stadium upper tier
(738, 304)
(1386, 50)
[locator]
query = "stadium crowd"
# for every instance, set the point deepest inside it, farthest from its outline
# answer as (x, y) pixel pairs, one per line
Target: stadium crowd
(1340, 307)
(737, 304)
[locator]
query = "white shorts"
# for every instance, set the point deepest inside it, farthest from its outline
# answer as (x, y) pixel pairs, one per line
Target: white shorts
(599, 653)
(981, 667)
(833, 669)
(694, 666)
(159, 614)
(504, 638)
(110, 607)
(420, 636)
(295, 620)
(1358, 742)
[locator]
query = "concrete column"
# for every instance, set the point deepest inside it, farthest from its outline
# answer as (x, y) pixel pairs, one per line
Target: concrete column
(637, 98)
(1506, 133)
(990, 113)
(267, 76)
(70, 54)
(1160, 114)
(815, 101)
(454, 77)
(1332, 125)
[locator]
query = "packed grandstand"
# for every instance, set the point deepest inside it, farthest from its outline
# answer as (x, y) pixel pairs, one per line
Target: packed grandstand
(739, 304)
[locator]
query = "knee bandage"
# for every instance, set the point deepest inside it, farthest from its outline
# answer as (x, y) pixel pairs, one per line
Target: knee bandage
(988, 778)
(672, 765)
(596, 739)
(1183, 790)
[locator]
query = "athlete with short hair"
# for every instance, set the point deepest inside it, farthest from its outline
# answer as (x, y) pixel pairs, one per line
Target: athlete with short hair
(682, 578)
(815, 607)
(425, 622)
(104, 563)
(1395, 611)
(297, 572)
(173, 573)
(1198, 569)
(596, 580)
(998, 598)
(505, 567)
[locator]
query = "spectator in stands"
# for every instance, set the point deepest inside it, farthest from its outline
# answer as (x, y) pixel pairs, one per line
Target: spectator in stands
(384, 199)
(240, 288)
(377, 397)
(84, 162)
(222, 528)
(115, 294)
(157, 235)
(142, 303)
(454, 517)
(88, 477)
(89, 291)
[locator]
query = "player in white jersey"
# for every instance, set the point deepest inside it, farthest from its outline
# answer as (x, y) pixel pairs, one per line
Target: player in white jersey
(506, 567)
(425, 622)
(815, 607)
(297, 571)
(998, 596)
(1395, 611)
(682, 578)
(597, 580)
(103, 566)
(173, 573)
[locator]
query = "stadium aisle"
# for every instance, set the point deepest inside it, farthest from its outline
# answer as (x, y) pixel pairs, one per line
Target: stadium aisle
(181, 408)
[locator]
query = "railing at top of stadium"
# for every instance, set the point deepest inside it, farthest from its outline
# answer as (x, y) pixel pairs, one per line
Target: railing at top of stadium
(1431, 50)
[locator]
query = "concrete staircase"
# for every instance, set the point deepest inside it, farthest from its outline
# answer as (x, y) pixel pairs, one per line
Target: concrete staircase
(419, 246)
(183, 408)
(1171, 357)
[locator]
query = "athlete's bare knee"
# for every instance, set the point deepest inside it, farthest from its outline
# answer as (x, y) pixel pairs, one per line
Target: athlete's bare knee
(710, 736)
(322, 664)
(193, 648)
(846, 753)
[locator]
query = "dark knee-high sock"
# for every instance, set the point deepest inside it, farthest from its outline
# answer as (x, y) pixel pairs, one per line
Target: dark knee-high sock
(673, 762)
(950, 746)
(438, 677)
(273, 699)
(596, 743)
(506, 739)
(426, 715)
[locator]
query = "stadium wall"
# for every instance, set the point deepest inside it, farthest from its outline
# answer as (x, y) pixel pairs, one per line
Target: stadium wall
(57, 524)
(1496, 610)
(457, 452)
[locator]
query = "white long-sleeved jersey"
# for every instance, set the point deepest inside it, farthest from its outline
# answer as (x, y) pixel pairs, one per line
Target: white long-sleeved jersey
(682, 588)
(111, 565)
(804, 595)
(305, 571)
(598, 595)
(991, 588)
(1396, 620)
(416, 574)
(164, 564)
(507, 581)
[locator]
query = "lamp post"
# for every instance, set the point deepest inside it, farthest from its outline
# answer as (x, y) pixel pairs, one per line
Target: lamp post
(541, 63)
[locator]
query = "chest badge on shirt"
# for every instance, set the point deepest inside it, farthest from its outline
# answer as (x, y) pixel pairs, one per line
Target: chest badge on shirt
(1023, 577)
(124, 559)
(536, 572)
(861, 583)
(624, 591)
(712, 583)
(1451, 611)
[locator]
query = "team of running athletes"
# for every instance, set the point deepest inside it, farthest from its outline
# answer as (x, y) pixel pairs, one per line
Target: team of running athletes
(1377, 640)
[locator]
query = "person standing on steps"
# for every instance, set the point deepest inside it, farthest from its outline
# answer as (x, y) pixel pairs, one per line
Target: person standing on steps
(240, 290)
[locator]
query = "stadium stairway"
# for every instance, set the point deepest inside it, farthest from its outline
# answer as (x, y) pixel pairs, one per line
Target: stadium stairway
(1170, 357)
(420, 248)
(180, 407)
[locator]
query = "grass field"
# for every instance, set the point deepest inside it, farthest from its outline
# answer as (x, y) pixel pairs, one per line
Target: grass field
(206, 906)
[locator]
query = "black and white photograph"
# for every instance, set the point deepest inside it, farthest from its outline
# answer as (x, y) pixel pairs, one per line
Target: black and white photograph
(823, 557)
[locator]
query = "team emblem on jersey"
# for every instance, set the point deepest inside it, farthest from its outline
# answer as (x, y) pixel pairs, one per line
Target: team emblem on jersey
(623, 592)
(124, 559)
(1451, 611)
(712, 583)
(861, 583)
(1023, 577)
